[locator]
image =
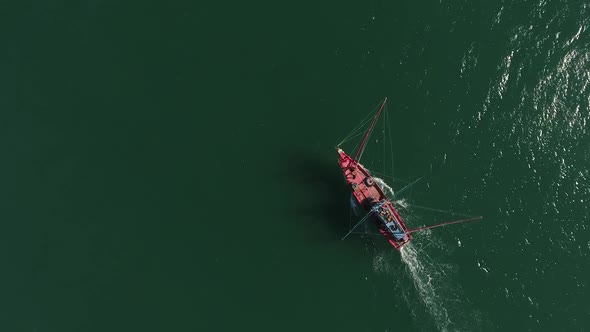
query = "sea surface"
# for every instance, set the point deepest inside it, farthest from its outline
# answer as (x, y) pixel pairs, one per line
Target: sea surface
(170, 165)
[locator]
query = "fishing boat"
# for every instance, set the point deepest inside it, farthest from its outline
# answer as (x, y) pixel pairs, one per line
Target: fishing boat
(369, 194)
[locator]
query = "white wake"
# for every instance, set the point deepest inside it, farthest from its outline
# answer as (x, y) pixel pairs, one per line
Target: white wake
(425, 276)
(388, 190)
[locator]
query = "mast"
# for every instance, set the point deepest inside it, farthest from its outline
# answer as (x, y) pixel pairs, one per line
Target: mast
(443, 224)
(361, 148)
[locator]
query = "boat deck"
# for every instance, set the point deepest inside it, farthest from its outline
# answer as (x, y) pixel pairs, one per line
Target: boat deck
(368, 195)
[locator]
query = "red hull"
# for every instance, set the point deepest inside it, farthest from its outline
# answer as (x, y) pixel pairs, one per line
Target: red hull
(368, 194)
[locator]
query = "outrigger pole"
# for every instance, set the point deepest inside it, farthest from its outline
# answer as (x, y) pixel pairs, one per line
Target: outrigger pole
(359, 152)
(443, 224)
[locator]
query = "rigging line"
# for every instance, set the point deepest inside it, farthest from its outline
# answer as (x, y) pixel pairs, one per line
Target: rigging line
(405, 188)
(363, 219)
(364, 121)
(353, 137)
(355, 132)
(355, 226)
(355, 147)
(443, 224)
(373, 173)
(359, 153)
(372, 234)
(390, 147)
(350, 211)
(351, 133)
(384, 141)
(390, 176)
(438, 210)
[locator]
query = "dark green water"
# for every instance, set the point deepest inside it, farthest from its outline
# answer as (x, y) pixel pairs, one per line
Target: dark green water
(170, 166)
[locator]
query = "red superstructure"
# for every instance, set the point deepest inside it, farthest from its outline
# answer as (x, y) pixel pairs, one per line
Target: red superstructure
(370, 195)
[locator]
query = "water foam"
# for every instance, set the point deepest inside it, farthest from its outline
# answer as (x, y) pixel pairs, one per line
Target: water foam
(388, 190)
(426, 286)
(423, 274)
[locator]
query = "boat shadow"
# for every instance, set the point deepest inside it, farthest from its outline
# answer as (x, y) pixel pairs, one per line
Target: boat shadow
(322, 197)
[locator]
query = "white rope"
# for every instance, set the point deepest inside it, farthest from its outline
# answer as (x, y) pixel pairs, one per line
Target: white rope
(391, 176)
(406, 187)
(364, 122)
(390, 146)
(438, 210)
(357, 131)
